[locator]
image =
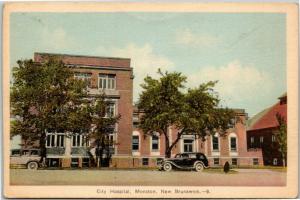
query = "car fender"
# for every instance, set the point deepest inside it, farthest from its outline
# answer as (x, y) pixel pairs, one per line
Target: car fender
(172, 163)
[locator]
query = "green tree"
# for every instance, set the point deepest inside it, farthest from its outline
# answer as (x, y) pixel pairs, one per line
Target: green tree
(103, 124)
(164, 103)
(45, 97)
(281, 137)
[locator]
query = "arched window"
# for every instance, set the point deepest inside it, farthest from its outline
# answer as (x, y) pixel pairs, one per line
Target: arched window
(215, 142)
(232, 142)
(155, 143)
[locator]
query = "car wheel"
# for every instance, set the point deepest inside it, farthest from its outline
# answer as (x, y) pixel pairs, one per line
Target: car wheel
(167, 167)
(199, 167)
(32, 165)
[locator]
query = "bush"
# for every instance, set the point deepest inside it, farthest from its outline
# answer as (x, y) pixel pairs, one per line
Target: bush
(226, 167)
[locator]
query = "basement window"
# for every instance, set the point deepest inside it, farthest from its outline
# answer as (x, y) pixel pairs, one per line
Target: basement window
(145, 161)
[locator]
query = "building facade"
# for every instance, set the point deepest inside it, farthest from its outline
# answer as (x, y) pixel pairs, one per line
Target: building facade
(262, 129)
(147, 151)
(112, 76)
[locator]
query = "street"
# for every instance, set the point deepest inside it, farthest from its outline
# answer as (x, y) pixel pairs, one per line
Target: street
(109, 177)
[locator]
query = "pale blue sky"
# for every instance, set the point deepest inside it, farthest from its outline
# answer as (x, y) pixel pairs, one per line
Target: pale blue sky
(245, 52)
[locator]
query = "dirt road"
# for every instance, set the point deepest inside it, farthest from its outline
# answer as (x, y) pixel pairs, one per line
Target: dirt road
(244, 177)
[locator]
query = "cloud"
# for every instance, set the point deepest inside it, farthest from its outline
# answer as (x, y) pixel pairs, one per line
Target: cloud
(238, 85)
(143, 60)
(56, 40)
(189, 38)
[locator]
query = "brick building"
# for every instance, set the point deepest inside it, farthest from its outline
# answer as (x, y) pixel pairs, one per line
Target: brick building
(112, 76)
(147, 151)
(132, 148)
(262, 129)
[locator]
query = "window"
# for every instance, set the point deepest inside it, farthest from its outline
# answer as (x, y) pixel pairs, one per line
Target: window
(85, 142)
(215, 143)
(110, 110)
(80, 141)
(234, 161)
(85, 162)
(53, 162)
(86, 77)
(16, 152)
(34, 152)
(159, 161)
(107, 81)
(188, 145)
(76, 140)
(233, 143)
(60, 140)
(261, 139)
(273, 138)
(135, 142)
(145, 161)
(251, 141)
(255, 161)
(75, 162)
(155, 143)
(275, 162)
(54, 140)
(216, 161)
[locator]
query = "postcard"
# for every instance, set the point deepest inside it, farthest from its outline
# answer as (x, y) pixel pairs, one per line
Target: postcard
(150, 100)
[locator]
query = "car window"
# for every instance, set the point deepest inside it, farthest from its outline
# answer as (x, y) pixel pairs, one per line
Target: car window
(16, 152)
(34, 152)
(185, 155)
(193, 155)
(25, 152)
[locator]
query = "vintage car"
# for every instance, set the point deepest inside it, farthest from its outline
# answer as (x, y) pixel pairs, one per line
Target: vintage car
(196, 161)
(25, 157)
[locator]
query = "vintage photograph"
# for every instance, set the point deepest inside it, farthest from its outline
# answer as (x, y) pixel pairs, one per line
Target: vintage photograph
(165, 101)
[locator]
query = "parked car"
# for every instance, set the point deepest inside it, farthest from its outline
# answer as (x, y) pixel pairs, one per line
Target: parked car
(28, 157)
(196, 161)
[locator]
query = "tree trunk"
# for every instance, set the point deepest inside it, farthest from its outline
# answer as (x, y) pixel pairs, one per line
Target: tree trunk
(98, 153)
(43, 149)
(167, 144)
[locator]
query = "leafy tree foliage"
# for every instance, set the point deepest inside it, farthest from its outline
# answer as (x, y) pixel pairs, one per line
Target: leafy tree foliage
(164, 103)
(281, 137)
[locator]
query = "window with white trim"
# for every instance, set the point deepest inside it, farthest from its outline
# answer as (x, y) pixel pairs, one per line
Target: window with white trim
(273, 138)
(234, 161)
(107, 81)
(155, 143)
(110, 110)
(55, 140)
(135, 142)
(261, 139)
(215, 143)
(86, 77)
(233, 144)
(255, 161)
(216, 161)
(80, 141)
(251, 141)
(188, 145)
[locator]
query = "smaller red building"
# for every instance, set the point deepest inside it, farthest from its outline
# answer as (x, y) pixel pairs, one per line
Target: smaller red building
(262, 129)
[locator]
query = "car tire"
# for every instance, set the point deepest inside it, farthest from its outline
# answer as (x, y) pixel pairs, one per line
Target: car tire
(199, 167)
(167, 167)
(32, 165)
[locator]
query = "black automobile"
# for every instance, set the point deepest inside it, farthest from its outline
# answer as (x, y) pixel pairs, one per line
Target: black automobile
(196, 161)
